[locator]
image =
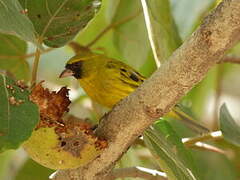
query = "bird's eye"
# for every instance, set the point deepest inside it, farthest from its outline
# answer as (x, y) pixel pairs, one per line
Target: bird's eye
(123, 70)
(76, 68)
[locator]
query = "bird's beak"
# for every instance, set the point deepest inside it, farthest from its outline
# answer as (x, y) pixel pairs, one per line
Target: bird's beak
(66, 73)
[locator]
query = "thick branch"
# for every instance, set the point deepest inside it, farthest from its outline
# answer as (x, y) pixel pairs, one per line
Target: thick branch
(185, 68)
(136, 172)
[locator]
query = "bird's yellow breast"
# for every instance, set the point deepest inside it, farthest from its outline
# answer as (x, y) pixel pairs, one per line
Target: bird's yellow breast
(106, 87)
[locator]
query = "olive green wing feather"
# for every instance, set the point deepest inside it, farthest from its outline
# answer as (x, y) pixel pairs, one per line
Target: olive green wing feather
(127, 74)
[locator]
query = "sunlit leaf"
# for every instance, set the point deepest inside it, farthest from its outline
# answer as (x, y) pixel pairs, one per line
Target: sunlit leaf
(14, 20)
(161, 28)
(169, 152)
(229, 127)
(12, 56)
(99, 23)
(131, 37)
(57, 22)
(111, 8)
(18, 115)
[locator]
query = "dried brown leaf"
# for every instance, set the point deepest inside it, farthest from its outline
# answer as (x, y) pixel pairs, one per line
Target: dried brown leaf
(52, 105)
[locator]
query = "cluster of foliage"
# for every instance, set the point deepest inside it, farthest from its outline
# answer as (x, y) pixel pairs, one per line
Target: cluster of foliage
(118, 30)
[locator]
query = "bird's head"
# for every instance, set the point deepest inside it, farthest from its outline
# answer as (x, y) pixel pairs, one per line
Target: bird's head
(72, 68)
(80, 65)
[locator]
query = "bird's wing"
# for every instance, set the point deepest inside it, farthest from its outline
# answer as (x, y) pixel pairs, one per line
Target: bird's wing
(126, 74)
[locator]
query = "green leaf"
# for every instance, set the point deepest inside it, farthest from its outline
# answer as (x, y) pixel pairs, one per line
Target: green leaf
(214, 166)
(18, 115)
(105, 44)
(229, 128)
(169, 152)
(111, 9)
(130, 37)
(33, 170)
(162, 28)
(5, 165)
(12, 52)
(14, 21)
(58, 21)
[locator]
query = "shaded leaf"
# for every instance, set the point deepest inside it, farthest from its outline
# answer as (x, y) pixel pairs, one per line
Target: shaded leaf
(32, 170)
(14, 20)
(229, 128)
(18, 115)
(12, 52)
(214, 166)
(161, 28)
(57, 22)
(169, 152)
(111, 8)
(99, 23)
(186, 13)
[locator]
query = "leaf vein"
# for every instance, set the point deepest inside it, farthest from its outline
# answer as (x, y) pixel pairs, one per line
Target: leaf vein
(52, 18)
(8, 106)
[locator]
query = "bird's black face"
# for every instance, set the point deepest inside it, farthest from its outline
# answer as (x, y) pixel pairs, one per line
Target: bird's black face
(76, 68)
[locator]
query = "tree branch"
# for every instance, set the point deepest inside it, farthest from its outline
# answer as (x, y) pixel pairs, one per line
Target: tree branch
(230, 59)
(136, 172)
(26, 55)
(185, 68)
(216, 135)
(208, 147)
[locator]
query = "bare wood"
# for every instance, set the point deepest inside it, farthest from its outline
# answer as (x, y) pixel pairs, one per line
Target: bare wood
(136, 172)
(184, 69)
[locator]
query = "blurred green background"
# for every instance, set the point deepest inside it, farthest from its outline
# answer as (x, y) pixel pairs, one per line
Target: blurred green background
(128, 42)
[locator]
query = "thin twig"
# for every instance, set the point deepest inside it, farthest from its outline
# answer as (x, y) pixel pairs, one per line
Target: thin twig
(207, 147)
(196, 144)
(35, 67)
(26, 55)
(76, 47)
(216, 135)
(230, 59)
(217, 98)
(136, 172)
(112, 25)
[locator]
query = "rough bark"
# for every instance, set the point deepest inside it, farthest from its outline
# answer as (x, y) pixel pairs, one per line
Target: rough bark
(136, 172)
(185, 68)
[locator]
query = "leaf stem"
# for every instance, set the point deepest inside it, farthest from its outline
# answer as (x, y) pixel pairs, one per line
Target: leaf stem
(150, 32)
(35, 67)
(218, 92)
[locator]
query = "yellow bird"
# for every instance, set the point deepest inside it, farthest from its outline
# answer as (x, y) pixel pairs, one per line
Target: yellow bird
(107, 80)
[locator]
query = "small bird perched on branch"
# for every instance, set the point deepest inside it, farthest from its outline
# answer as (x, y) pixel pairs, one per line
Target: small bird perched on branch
(107, 81)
